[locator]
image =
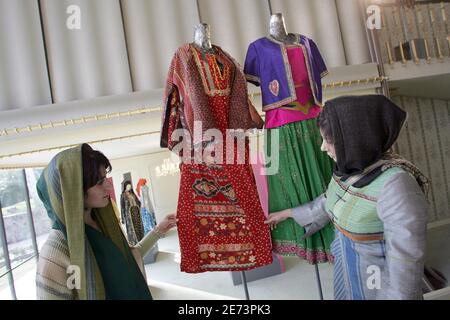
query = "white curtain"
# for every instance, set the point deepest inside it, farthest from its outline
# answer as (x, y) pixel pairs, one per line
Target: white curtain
(87, 62)
(154, 30)
(353, 30)
(126, 45)
(23, 71)
(235, 23)
(317, 20)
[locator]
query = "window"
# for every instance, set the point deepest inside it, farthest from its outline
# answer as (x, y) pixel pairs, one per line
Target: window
(23, 230)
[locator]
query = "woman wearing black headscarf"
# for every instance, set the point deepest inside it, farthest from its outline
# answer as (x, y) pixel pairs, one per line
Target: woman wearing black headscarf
(376, 201)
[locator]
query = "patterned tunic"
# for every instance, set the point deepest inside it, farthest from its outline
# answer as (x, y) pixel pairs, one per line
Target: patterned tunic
(131, 216)
(221, 222)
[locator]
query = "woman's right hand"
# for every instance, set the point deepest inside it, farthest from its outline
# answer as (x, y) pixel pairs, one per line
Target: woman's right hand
(169, 222)
(276, 217)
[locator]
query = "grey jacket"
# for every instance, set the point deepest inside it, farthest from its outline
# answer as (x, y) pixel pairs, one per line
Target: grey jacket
(403, 209)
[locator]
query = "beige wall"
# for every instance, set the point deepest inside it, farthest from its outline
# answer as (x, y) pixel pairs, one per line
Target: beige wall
(163, 190)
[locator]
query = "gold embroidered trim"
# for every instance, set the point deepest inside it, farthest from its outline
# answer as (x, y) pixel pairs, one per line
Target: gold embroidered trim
(308, 67)
(288, 70)
(223, 266)
(225, 247)
(313, 85)
(278, 104)
(208, 91)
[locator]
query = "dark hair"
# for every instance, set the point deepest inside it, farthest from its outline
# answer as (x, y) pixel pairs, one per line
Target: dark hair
(124, 185)
(92, 161)
(325, 126)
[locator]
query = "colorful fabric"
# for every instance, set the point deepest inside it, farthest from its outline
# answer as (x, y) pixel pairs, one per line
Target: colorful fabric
(135, 213)
(304, 171)
(60, 188)
(303, 108)
(220, 220)
(221, 223)
(261, 183)
(392, 266)
(187, 76)
(352, 261)
(147, 210)
(131, 216)
(147, 220)
(354, 210)
(139, 185)
(267, 65)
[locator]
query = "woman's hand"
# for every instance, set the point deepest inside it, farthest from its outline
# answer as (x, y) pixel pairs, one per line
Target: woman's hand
(166, 224)
(277, 217)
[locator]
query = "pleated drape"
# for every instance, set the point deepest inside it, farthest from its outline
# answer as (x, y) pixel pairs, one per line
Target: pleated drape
(87, 62)
(23, 72)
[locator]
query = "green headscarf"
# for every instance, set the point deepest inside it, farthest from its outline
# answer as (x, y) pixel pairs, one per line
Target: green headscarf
(60, 188)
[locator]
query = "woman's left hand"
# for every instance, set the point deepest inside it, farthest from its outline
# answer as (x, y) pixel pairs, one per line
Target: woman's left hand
(166, 224)
(276, 217)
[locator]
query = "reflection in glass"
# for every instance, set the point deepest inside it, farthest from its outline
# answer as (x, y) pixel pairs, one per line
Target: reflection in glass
(42, 224)
(15, 216)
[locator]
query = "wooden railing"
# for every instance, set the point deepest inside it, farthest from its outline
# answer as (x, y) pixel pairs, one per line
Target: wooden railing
(414, 30)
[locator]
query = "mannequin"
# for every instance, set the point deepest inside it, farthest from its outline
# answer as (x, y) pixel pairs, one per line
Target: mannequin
(289, 67)
(277, 29)
(221, 222)
(202, 37)
(130, 213)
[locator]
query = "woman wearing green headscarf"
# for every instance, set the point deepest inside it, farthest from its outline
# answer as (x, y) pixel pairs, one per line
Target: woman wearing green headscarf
(86, 255)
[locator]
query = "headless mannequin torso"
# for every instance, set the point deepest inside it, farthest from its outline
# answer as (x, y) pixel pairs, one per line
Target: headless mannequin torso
(202, 37)
(277, 29)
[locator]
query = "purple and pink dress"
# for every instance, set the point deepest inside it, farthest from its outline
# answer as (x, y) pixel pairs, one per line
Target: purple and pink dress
(290, 80)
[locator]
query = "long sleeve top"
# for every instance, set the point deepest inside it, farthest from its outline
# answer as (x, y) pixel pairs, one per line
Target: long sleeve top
(52, 268)
(402, 208)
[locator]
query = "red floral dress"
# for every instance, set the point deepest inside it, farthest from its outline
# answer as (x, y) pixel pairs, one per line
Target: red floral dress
(220, 219)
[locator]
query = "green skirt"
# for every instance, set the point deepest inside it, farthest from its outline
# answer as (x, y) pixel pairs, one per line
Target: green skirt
(304, 173)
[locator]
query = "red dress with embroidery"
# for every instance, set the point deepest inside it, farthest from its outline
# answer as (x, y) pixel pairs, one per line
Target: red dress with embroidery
(220, 219)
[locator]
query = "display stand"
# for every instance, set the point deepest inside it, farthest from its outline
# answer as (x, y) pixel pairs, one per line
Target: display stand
(319, 284)
(244, 281)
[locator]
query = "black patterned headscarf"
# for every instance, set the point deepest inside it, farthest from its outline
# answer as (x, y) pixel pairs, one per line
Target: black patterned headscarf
(363, 129)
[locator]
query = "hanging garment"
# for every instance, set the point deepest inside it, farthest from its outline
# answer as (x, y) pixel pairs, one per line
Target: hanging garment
(131, 216)
(304, 170)
(147, 220)
(220, 219)
(267, 65)
(147, 211)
